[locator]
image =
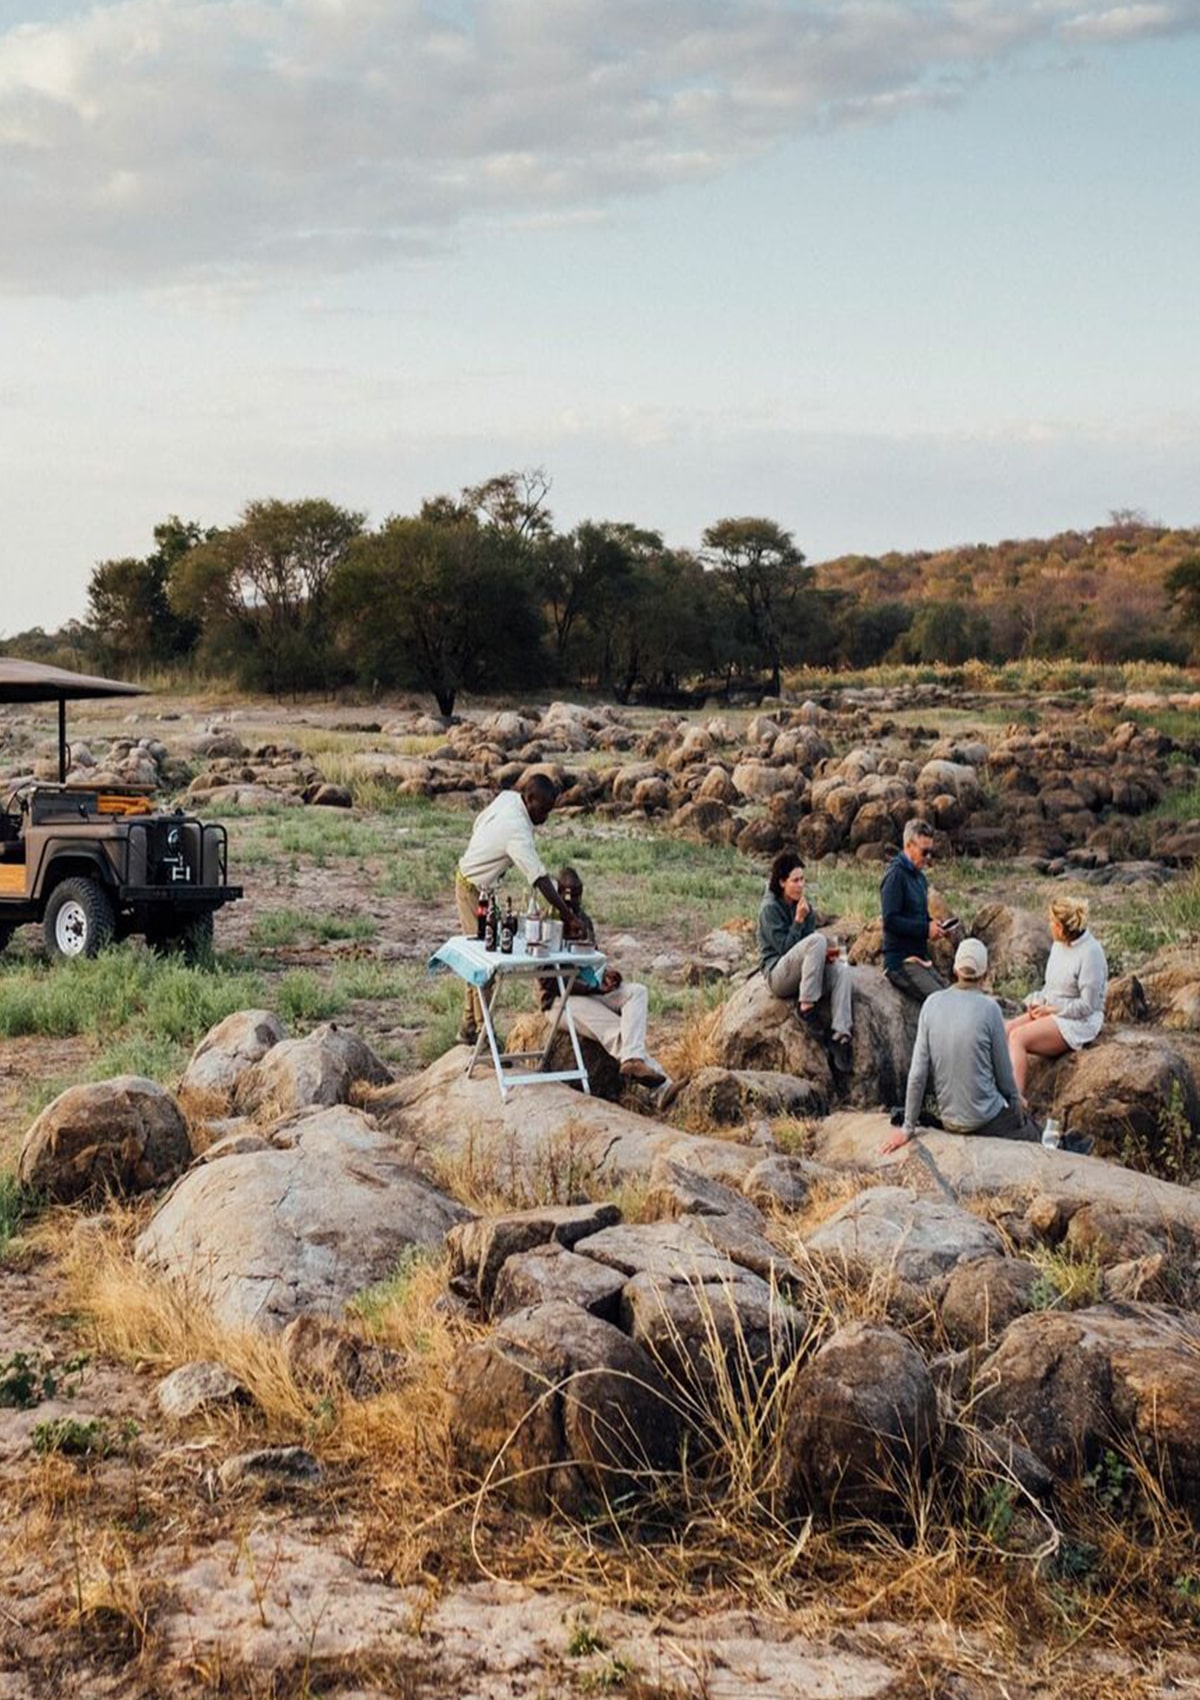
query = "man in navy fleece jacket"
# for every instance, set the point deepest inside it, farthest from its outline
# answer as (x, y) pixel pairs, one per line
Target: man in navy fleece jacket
(907, 926)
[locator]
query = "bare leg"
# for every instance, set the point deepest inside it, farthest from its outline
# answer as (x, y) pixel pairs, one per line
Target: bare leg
(1027, 1039)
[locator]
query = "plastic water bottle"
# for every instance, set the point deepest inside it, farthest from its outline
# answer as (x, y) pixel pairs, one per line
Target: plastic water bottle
(1052, 1133)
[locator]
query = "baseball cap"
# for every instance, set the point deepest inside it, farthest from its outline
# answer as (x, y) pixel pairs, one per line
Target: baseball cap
(971, 960)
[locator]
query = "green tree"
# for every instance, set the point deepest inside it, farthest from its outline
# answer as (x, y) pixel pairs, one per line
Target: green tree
(129, 602)
(512, 502)
(601, 566)
(1182, 585)
(767, 580)
(259, 590)
(438, 604)
(867, 631)
(945, 631)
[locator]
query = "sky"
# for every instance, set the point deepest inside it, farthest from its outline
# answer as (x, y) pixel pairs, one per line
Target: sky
(892, 273)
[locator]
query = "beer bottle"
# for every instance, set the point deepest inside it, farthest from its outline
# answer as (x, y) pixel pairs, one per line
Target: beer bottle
(491, 935)
(481, 916)
(508, 929)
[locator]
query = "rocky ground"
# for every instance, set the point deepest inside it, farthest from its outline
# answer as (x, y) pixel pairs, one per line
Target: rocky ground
(297, 1518)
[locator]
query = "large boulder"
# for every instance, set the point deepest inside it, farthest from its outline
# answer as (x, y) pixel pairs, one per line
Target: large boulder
(755, 780)
(706, 821)
(560, 1410)
(894, 1231)
(1165, 990)
(956, 779)
(1133, 1089)
(1073, 1386)
(552, 1274)
(727, 1097)
(321, 1068)
(759, 1032)
(123, 1135)
(263, 1237)
(713, 1341)
(967, 1166)
(984, 1294)
(541, 1132)
(859, 1427)
(228, 1050)
(1018, 943)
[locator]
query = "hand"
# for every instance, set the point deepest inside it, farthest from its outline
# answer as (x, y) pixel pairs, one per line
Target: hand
(802, 910)
(610, 980)
(1036, 1011)
(923, 961)
(936, 930)
(893, 1142)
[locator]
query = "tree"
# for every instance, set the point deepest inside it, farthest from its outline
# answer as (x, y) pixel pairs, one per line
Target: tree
(1182, 585)
(868, 630)
(513, 502)
(765, 573)
(437, 604)
(127, 606)
(129, 603)
(945, 631)
(600, 566)
(259, 590)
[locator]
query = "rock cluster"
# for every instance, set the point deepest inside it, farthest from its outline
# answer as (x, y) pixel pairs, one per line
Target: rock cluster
(839, 777)
(612, 1348)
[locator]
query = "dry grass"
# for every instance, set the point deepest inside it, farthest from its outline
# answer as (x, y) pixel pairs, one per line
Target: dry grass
(1024, 1589)
(695, 1047)
(495, 1173)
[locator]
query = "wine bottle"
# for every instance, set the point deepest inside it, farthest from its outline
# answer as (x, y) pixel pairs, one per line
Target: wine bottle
(533, 923)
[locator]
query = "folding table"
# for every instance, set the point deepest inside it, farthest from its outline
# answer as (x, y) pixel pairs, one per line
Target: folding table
(488, 970)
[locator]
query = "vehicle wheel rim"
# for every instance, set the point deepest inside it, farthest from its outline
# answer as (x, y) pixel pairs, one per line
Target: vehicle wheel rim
(70, 929)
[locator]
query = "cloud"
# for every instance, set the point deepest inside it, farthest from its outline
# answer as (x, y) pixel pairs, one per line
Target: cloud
(160, 142)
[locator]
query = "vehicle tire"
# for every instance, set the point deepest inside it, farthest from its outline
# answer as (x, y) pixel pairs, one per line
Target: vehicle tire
(79, 920)
(193, 940)
(196, 940)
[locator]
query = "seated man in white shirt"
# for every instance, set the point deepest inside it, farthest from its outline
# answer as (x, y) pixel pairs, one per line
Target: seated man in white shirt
(502, 838)
(614, 1013)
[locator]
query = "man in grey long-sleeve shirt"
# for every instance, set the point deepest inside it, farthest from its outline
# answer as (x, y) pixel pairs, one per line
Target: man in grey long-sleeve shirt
(962, 1051)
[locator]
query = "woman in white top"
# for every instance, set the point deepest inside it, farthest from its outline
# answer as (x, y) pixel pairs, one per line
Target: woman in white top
(1068, 1012)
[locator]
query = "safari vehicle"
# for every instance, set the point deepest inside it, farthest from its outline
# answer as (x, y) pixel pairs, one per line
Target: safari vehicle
(98, 863)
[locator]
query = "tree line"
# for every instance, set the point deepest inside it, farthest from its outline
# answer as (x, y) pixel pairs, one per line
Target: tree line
(482, 593)
(478, 592)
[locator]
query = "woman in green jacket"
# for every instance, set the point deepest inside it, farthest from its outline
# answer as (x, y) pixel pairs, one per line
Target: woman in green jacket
(797, 960)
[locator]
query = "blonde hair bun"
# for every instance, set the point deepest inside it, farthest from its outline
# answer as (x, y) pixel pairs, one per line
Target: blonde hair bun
(1071, 913)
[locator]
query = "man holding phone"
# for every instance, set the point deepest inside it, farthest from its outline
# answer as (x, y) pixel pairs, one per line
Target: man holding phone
(907, 924)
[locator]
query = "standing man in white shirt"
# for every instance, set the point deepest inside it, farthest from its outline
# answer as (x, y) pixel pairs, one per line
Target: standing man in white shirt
(502, 838)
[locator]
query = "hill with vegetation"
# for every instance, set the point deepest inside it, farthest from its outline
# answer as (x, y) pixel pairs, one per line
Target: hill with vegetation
(1116, 593)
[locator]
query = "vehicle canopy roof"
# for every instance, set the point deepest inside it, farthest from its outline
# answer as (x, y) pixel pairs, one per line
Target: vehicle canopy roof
(33, 681)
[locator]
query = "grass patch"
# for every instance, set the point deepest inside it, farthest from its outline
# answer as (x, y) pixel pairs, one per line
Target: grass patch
(278, 928)
(1066, 1280)
(104, 995)
(375, 1303)
(302, 998)
(17, 1205)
